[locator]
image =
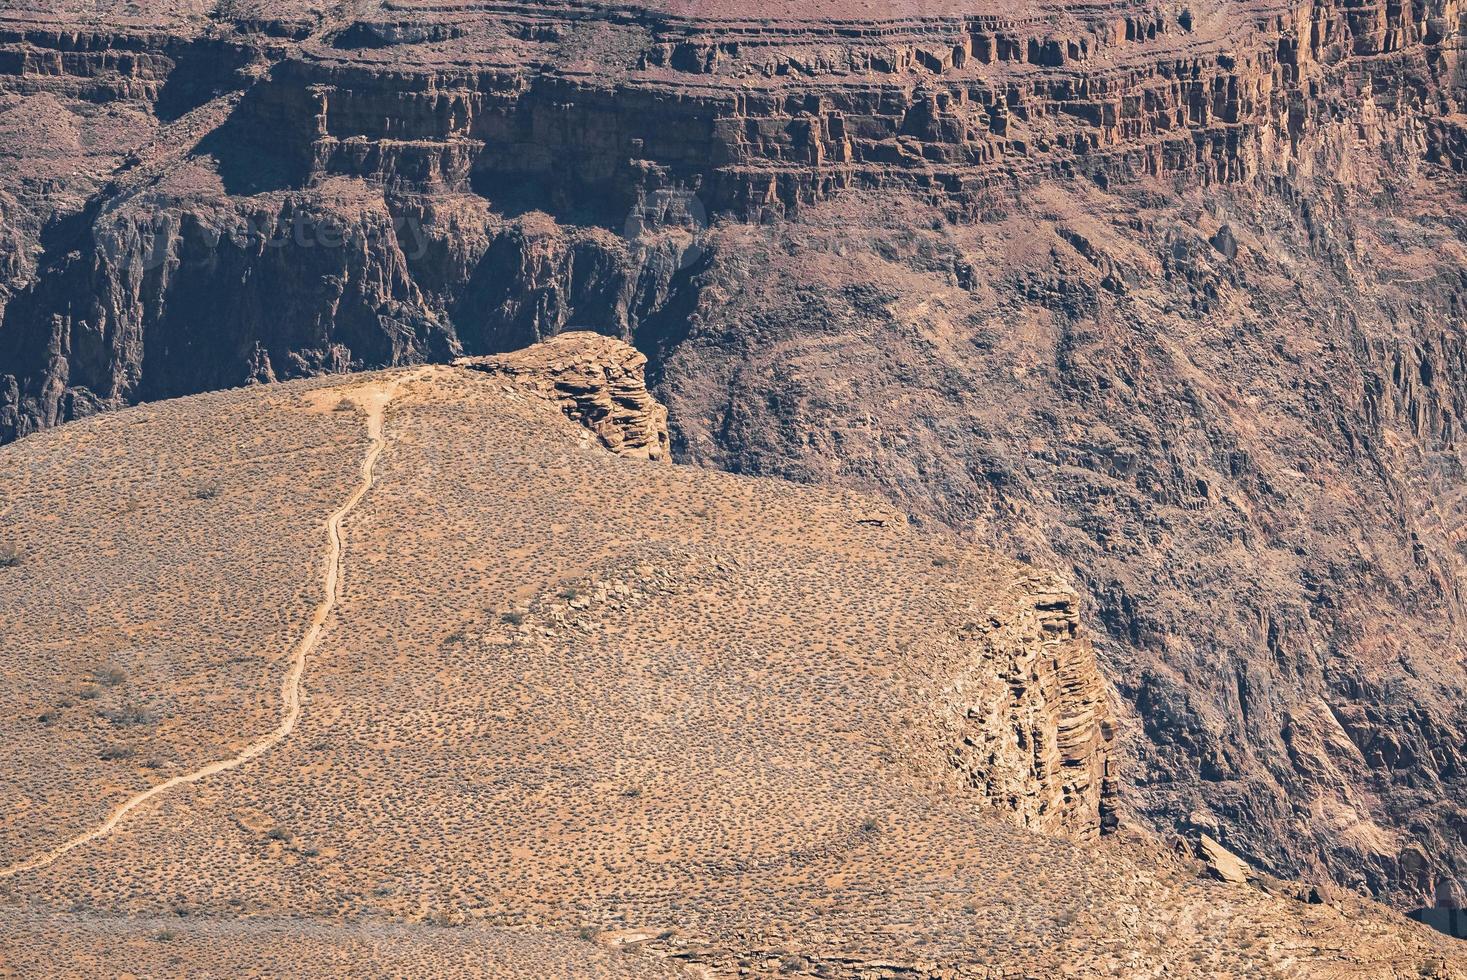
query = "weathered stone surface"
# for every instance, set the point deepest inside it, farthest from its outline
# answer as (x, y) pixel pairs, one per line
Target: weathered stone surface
(974, 260)
(598, 382)
(1027, 722)
(1223, 862)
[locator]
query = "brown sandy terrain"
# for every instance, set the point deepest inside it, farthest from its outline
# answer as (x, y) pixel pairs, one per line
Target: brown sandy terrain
(1166, 297)
(148, 671)
(98, 946)
(573, 713)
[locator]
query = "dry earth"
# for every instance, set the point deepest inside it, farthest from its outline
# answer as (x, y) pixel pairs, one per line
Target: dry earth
(1167, 297)
(571, 714)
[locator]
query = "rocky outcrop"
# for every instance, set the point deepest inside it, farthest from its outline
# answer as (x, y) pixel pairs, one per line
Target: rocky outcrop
(1026, 723)
(597, 381)
(1167, 298)
(1222, 862)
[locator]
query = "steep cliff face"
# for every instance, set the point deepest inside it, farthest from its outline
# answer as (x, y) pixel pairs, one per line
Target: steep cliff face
(315, 135)
(1026, 723)
(1167, 296)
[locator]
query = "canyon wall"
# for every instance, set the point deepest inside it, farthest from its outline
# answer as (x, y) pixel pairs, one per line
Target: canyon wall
(1167, 297)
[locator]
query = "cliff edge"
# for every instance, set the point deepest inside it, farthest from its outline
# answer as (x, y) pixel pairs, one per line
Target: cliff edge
(400, 667)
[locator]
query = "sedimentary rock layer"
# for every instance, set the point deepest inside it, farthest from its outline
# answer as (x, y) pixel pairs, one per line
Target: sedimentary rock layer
(598, 382)
(1165, 296)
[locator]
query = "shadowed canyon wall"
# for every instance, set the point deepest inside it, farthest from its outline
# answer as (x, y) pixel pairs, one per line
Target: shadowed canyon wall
(1167, 297)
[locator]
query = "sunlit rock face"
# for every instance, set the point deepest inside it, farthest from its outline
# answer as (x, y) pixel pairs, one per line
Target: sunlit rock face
(1166, 298)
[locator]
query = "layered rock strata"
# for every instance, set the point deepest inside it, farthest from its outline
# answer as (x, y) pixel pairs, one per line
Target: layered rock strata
(1027, 724)
(599, 382)
(1167, 296)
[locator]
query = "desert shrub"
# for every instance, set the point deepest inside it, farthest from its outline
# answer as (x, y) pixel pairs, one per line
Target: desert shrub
(109, 675)
(128, 715)
(513, 618)
(89, 693)
(9, 556)
(588, 933)
(277, 833)
(114, 753)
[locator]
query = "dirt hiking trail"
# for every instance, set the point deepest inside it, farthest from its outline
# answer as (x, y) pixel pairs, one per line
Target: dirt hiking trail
(373, 399)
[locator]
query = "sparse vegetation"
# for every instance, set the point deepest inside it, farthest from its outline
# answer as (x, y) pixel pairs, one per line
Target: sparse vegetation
(129, 714)
(726, 739)
(444, 919)
(109, 675)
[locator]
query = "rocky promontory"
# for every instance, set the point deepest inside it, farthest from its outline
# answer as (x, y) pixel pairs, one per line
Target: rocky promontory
(1166, 297)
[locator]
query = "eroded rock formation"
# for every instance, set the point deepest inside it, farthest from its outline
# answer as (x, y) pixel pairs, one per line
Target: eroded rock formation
(1167, 296)
(598, 381)
(1027, 723)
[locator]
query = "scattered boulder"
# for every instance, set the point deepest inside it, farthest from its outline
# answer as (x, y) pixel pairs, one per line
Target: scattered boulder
(1222, 862)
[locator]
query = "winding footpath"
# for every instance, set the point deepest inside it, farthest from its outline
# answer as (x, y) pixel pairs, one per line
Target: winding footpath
(374, 400)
